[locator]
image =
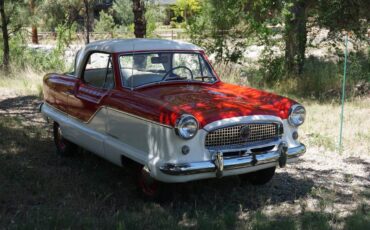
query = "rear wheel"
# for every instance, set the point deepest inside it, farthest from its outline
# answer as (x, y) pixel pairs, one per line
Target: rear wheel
(63, 146)
(259, 177)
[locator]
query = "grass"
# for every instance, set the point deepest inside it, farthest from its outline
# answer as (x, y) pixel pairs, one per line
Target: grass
(39, 190)
(24, 82)
(321, 79)
(322, 126)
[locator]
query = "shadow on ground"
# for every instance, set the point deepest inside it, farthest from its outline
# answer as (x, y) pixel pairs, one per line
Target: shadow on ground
(41, 190)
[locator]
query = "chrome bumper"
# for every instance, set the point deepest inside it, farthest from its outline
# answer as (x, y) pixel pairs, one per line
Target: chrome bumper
(219, 164)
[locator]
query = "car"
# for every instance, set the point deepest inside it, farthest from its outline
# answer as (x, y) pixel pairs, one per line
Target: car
(160, 105)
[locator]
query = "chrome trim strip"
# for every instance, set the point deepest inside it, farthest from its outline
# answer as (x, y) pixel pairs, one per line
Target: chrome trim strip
(230, 163)
(245, 123)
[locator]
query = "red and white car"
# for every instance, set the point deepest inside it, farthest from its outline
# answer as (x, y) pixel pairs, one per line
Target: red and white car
(160, 104)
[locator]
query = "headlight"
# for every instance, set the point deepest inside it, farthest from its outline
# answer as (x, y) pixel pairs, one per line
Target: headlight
(297, 115)
(186, 126)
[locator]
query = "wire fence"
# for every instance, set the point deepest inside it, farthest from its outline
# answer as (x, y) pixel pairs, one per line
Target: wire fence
(173, 34)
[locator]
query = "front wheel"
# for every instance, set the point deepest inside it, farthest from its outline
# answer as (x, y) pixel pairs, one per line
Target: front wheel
(259, 177)
(150, 188)
(63, 146)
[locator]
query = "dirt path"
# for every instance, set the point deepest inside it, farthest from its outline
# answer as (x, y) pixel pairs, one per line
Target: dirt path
(323, 188)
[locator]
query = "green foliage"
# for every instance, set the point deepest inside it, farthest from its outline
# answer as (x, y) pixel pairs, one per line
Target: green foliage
(360, 219)
(123, 12)
(105, 24)
(65, 33)
(321, 79)
(23, 57)
(55, 12)
(339, 15)
(38, 60)
(153, 16)
(219, 21)
(186, 8)
(17, 15)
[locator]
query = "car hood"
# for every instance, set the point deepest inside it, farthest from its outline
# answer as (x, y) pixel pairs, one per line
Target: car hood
(214, 102)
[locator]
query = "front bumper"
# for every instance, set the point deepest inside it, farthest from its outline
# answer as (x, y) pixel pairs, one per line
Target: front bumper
(220, 164)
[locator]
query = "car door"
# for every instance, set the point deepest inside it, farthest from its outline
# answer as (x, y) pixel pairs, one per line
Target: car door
(86, 103)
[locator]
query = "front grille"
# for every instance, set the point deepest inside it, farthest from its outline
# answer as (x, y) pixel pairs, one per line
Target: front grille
(234, 135)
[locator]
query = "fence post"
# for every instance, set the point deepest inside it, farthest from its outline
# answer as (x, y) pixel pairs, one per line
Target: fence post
(343, 92)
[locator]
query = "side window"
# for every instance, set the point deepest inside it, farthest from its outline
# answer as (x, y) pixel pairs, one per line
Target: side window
(98, 71)
(205, 71)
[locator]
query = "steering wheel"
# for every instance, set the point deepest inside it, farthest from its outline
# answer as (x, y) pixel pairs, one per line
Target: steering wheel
(177, 67)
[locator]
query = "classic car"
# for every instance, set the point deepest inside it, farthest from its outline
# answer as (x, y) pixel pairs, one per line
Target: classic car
(160, 104)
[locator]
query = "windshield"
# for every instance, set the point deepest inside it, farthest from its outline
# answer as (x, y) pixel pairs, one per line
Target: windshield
(140, 69)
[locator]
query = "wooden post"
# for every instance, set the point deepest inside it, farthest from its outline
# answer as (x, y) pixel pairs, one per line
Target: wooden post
(35, 39)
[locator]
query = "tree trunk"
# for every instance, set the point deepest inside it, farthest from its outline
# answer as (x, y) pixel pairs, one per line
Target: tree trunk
(138, 8)
(4, 28)
(35, 39)
(87, 21)
(296, 38)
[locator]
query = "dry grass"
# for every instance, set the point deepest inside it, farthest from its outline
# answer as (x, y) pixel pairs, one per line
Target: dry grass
(323, 121)
(24, 82)
(39, 190)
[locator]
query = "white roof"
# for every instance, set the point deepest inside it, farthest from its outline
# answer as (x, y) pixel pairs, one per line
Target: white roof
(139, 44)
(129, 45)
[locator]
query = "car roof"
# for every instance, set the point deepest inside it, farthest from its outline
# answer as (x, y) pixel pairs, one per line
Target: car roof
(130, 45)
(138, 44)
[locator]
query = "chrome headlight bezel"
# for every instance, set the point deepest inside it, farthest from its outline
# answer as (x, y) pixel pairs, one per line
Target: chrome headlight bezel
(297, 115)
(180, 126)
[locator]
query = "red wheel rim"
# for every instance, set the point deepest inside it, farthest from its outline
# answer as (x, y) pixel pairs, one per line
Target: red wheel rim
(148, 185)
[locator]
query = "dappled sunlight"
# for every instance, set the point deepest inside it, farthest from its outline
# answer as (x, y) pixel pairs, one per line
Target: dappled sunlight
(322, 188)
(215, 102)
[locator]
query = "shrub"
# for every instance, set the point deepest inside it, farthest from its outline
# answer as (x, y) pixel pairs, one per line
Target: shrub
(105, 24)
(320, 79)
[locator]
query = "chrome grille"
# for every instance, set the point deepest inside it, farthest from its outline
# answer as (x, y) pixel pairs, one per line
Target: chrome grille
(232, 135)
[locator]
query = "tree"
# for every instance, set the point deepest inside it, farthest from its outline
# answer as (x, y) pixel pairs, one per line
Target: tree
(32, 6)
(220, 22)
(123, 12)
(57, 12)
(87, 20)
(4, 29)
(153, 15)
(295, 36)
(336, 15)
(186, 8)
(105, 24)
(11, 23)
(229, 22)
(138, 8)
